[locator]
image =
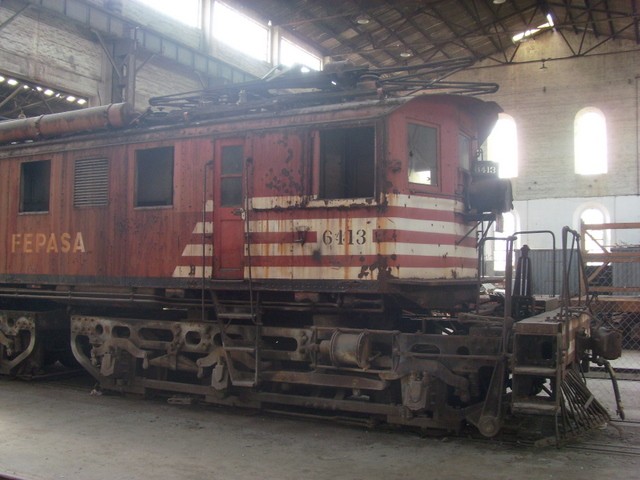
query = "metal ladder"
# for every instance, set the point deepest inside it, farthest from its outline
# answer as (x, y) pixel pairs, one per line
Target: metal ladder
(242, 354)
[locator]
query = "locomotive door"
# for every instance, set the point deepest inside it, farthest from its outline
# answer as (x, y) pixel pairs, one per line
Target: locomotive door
(229, 239)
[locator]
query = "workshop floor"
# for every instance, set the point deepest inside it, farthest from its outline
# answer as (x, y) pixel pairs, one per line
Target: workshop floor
(54, 430)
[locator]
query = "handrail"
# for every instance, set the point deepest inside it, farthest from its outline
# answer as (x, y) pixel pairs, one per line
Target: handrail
(553, 246)
(567, 260)
(507, 318)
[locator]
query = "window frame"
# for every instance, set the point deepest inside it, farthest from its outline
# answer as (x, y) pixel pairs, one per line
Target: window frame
(438, 134)
(24, 191)
(606, 233)
(137, 179)
(229, 176)
(320, 163)
(510, 169)
(471, 157)
(283, 40)
(235, 15)
(499, 248)
(584, 163)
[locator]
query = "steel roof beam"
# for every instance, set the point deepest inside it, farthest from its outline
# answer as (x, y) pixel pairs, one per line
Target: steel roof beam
(95, 18)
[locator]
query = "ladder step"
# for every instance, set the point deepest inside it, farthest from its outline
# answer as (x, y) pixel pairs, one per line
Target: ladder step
(239, 348)
(245, 316)
(244, 383)
(237, 316)
(533, 406)
(535, 371)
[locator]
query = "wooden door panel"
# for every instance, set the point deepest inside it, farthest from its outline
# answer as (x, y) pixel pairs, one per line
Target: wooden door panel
(229, 202)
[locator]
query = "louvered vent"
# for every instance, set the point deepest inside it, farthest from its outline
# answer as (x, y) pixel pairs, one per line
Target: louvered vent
(91, 182)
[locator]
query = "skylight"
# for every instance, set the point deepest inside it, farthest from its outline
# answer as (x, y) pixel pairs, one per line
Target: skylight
(518, 37)
(292, 54)
(240, 31)
(184, 11)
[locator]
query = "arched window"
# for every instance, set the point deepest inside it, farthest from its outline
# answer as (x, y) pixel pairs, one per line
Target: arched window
(502, 146)
(509, 227)
(595, 240)
(590, 142)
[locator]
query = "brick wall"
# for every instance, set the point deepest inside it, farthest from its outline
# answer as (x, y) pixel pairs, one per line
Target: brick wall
(544, 102)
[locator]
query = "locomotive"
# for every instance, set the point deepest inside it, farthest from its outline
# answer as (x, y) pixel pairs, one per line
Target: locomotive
(306, 241)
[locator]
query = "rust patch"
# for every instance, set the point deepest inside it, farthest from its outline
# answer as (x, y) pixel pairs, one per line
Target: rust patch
(380, 265)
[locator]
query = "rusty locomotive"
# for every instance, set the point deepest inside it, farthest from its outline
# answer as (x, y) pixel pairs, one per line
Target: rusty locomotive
(306, 241)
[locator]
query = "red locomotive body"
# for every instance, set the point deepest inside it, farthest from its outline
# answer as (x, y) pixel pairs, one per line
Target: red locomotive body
(318, 255)
(320, 194)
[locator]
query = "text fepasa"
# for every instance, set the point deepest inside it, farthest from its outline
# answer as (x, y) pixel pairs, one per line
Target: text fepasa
(47, 243)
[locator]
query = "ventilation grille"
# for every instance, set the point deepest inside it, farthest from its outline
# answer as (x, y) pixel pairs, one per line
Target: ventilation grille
(91, 186)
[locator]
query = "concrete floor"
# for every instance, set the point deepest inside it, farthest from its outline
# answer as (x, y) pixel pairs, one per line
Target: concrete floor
(57, 430)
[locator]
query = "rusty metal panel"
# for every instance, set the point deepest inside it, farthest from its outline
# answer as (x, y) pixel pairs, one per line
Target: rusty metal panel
(115, 240)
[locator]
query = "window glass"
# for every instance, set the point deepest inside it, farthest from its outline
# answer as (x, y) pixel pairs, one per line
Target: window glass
(231, 181)
(35, 180)
(464, 153)
(91, 182)
(240, 32)
(590, 142)
(292, 54)
(504, 229)
(184, 11)
(502, 146)
(154, 177)
(423, 154)
(347, 162)
(594, 240)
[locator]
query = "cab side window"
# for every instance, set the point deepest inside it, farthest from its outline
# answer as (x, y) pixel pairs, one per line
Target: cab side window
(231, 176)
(35, 181)
(422, 146)
(347, 163)
(154, 177)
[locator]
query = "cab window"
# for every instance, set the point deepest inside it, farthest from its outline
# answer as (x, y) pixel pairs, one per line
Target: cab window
(464, 151)
(347, 163)
(154, 177)
(422, 147)
(35, 179)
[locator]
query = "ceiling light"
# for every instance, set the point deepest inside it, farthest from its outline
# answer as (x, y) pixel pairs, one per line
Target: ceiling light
(499, 2)
(81, 101)
(48, 92)
(406, 54)
(2, 79)
(71, 98)
(12, 81)
(362, 19)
